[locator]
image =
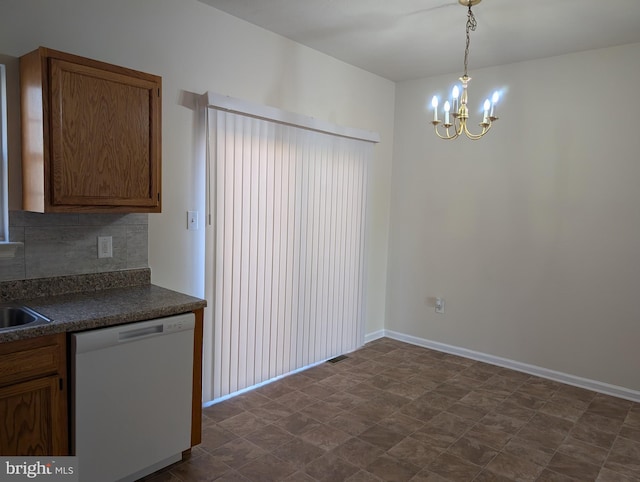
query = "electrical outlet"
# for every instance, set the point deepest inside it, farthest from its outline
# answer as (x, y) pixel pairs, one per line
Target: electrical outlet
(192, 220)
(439, 305)
(105, 247)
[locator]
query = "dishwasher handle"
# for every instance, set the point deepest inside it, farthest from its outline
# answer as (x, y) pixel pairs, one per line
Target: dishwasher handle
(141, 332)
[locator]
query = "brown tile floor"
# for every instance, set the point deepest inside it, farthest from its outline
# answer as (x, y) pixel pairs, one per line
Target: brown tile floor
(393, 411)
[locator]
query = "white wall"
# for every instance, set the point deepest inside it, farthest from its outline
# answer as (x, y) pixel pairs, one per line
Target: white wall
(196, 48)
(532, 234)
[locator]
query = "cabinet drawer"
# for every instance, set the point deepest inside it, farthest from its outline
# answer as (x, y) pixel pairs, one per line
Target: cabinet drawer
(26, 364)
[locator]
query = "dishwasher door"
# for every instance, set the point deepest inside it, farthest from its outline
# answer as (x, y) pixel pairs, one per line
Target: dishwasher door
(132, 397)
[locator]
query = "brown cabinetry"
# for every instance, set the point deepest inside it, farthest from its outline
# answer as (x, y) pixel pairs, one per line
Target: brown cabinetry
(91, 135)
(33, 397)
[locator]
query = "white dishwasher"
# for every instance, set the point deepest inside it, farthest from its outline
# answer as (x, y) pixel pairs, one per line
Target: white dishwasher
(131, 401)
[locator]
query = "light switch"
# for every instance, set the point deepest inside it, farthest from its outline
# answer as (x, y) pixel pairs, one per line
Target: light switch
(192, 220)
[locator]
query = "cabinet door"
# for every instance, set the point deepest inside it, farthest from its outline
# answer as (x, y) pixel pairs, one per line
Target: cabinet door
(32, 420)
(105, 129)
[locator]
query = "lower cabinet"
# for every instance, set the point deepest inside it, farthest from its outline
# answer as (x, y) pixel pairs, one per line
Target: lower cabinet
(33, 397)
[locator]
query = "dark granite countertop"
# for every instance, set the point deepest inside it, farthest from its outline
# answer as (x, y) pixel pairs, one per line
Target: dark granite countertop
(97, 308)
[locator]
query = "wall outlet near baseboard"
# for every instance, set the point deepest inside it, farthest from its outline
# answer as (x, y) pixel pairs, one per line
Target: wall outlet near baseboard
(105, 247)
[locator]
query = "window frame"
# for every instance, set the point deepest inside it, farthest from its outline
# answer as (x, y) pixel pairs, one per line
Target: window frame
(4, 159)
(7, 248)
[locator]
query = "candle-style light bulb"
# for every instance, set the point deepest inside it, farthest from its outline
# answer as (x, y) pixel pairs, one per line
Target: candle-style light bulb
(447, 108)
(455, 93)
(434, 104)
(494, 100)
(487, 106)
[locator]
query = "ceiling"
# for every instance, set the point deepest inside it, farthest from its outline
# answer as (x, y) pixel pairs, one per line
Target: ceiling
(407, 39)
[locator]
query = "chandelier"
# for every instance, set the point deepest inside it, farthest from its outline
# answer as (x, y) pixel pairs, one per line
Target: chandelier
(457, 108)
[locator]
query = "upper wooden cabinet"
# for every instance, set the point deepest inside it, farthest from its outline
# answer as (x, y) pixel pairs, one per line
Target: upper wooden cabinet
(91, 135)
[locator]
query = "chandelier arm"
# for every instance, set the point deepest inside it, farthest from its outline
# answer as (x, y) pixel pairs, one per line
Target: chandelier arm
(460, 126)
(475, 137)
(447, 136)
(460, 130)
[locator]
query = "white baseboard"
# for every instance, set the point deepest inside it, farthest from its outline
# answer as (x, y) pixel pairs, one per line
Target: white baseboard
(596, 386)
(374, 336)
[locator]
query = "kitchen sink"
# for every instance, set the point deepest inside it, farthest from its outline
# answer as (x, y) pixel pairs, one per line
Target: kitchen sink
(14, 316)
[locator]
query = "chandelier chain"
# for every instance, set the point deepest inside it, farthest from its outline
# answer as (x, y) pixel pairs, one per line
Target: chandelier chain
(471, 25)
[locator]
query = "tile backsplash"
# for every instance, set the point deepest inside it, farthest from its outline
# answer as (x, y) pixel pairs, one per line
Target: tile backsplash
(67, 244)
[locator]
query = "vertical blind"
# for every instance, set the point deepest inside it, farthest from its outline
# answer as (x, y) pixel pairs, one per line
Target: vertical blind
(287, 248)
